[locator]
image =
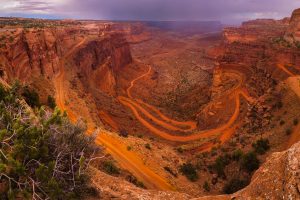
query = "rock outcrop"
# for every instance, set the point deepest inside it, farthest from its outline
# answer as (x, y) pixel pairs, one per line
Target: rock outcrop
(36, 53)
(293, 33)
(99, 61)
(255, 30)
(278, 178)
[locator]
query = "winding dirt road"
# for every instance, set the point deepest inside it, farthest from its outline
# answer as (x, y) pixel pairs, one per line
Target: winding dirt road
(127, 159)
(170, 124)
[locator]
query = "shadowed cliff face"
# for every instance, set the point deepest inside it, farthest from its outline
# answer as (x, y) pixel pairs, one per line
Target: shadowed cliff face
(37, 53)
(99, 62)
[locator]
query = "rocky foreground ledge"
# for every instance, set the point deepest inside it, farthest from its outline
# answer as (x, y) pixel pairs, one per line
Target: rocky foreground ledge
(278, 178)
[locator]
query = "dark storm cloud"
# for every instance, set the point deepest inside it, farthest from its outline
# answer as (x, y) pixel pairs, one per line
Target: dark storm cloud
(227, 11)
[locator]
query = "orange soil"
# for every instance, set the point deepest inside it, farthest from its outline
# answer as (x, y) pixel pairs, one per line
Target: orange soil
(225, 130)
(128, 160)
(191, 124)
(283, 68)
(59, 82)
(293, 82)
(107, 119)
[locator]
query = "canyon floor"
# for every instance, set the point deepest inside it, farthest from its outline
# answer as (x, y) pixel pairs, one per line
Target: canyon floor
(179, 115)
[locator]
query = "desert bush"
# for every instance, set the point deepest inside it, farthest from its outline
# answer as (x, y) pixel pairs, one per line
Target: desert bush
(295, 122)
(42, 155)
(147, 146)
(206, 186)
(31, 97)
(189, 171)
(237, 155)
(288, 131)
(168, 169)
(123, 133)
(51, 102)
(220, 163)
(249, 162)
(282, 122)
(110, 168)
(261, 146)
(234, 185)
(180, 150)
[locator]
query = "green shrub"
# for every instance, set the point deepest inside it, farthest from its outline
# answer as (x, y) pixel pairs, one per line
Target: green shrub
(11, 39)
(234, 185)
(31, 97)
(282, 122)
(180, 149)
(261, 146)
(288, 131)
(249, 162)
(295, 122)
(110, 168)
(51, 102)
(50, 154)
(147, 146)
(237, 155)
(168, 169)
(189, 171)
(279, 104)
(206, 186)
(220, 163)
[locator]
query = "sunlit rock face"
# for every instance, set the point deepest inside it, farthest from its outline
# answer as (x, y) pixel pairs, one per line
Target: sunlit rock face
(293, 33)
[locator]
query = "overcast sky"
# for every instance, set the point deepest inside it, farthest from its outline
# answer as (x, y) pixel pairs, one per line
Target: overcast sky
(227, 11)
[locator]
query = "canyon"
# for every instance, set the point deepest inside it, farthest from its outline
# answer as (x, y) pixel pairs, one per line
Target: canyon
(183, 110)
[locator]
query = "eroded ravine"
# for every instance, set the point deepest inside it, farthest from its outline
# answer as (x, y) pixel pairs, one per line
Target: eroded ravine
(127, 159)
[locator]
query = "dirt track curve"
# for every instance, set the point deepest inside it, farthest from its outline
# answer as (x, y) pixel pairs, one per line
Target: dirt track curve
(138, 107)
(130, 160)
(127, 159)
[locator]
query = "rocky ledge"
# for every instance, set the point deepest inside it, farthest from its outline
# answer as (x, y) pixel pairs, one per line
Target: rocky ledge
(278, 178)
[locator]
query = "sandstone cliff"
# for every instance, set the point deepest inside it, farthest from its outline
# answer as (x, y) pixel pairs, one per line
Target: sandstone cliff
(293, 33)
(35, 52)
(99, 61)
